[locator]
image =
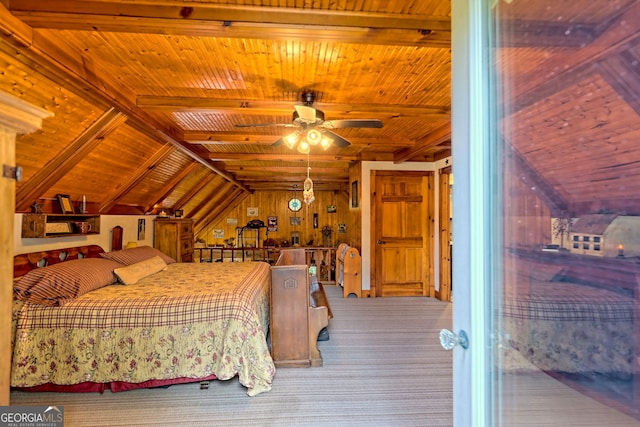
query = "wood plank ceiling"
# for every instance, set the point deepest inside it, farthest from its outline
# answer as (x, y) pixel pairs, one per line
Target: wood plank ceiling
(151, 97)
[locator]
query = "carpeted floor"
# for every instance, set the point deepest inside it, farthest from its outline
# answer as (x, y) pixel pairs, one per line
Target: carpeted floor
(383, 366)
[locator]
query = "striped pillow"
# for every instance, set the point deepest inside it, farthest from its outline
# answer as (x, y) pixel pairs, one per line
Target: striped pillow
(135, 255)
(60, 283)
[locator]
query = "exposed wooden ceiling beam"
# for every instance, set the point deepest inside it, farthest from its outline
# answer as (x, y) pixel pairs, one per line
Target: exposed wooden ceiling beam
(536, 182)
(170, 185)
(232, 197)
(295, 178)
(283, 157)
(527, 33)
(66, 159)
(55, 58)
(438, 136)
(188, 195)
(576, 63)
(202, 19)
(239, 137)
(338, 187)
(256, 107)
(212, 198)
(112, 199)
(248, 170)
(620, 71)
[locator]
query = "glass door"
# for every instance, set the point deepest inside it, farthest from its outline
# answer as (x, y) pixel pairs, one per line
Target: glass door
(546, 263)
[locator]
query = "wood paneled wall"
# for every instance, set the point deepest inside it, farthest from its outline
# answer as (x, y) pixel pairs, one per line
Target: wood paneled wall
(276, 204)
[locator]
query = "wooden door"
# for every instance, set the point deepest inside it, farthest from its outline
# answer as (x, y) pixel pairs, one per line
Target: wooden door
(445, 216)
(402, 233)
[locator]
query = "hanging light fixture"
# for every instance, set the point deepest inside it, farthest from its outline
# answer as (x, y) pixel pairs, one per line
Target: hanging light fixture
(304, 139)
(304, 147)
(326, 142)
(291, 140)
(313, 137)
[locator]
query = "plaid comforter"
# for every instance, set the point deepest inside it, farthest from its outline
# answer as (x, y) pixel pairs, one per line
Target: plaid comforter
(191, 320)
(568, 327)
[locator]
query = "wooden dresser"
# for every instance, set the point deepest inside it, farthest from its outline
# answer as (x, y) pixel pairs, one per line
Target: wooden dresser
(174, 237)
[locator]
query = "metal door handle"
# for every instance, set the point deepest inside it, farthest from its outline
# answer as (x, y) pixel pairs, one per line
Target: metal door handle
(448, 339)
(381, 242)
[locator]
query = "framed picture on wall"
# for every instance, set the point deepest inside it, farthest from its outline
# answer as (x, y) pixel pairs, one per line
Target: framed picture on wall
(272, 223)
(142, 228)
(66, 207)
(354, 194)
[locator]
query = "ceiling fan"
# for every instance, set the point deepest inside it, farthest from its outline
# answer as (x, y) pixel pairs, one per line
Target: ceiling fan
(313, 129)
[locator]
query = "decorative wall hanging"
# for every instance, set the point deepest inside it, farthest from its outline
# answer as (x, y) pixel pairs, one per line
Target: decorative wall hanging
(272, 223)
(332, 209)
(252, 211)
(307, 193)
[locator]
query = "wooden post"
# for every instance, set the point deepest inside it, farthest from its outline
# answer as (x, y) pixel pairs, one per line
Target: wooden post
(16, 116)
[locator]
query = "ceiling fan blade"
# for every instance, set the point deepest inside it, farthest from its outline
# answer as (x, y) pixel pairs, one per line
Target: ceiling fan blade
(338, 141)
(306, 113)
(255, 125)
(352, 123)
(278, 142)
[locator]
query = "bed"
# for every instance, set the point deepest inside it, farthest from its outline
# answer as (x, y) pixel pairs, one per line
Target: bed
(577, 319)
(185, 322)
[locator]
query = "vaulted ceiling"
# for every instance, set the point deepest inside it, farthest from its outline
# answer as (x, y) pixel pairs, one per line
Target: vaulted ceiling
(151, 99)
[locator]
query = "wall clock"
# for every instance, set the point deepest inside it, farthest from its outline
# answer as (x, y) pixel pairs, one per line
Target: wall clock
(295, 204)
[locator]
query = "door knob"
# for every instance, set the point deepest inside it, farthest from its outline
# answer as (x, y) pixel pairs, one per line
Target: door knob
(381, 242)
(448, 339)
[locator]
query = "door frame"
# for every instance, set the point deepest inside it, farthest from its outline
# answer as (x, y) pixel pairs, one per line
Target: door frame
(365, 217)
(429, 211)
(474, 231)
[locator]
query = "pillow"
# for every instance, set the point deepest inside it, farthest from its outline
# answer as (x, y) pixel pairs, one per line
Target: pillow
(132, 273)
(58, 284)
(134, 255)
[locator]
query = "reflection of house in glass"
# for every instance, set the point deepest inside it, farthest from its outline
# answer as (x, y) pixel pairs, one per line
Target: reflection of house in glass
(602, 235)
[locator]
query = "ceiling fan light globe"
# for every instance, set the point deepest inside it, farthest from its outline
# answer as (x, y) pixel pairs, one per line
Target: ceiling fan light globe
(290, 140)
(314, 137)
(304, 147)
(326, 142)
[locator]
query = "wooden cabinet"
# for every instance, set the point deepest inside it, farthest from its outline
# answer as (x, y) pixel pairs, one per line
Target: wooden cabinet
(174, 237)
(58, 225)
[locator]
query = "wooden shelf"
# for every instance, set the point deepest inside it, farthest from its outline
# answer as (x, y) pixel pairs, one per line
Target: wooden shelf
(57, 225)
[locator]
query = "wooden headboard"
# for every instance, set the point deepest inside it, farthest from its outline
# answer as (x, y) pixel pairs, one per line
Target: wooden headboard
(24, 263)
